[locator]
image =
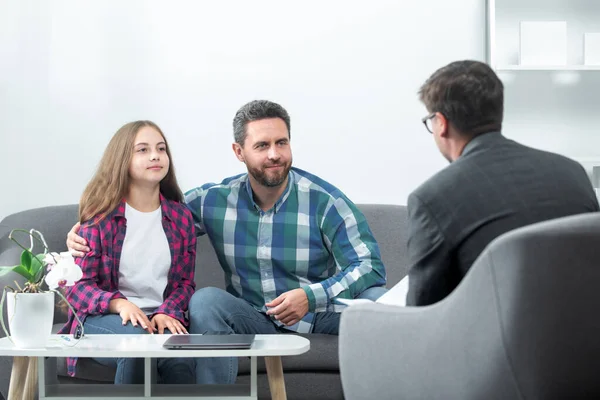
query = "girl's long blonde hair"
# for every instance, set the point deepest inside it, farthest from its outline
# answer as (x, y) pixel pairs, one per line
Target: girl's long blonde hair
(110, 183)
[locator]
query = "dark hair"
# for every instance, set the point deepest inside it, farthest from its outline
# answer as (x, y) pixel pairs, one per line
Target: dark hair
(254, 111)
(469, 94)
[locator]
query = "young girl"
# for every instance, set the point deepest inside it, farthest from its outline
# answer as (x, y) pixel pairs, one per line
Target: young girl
(139, 274)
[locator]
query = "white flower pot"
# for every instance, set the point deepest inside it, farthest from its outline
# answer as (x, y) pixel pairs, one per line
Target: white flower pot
(30, 317)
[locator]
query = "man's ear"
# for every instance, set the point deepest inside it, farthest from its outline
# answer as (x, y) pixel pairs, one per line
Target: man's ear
(237, 150)
(444, 125)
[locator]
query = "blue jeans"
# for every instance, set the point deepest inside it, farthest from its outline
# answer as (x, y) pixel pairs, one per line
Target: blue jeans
(131, 370)
(213, 309)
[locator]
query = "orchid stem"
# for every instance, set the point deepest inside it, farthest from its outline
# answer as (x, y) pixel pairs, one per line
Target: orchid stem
(70, 308)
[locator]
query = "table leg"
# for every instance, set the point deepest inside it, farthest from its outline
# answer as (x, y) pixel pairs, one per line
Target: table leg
(275, 375)
(23, 379)
(253, 378)
(147, 376)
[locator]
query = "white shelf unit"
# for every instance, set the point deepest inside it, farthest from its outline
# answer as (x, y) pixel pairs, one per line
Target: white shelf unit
(547, 68)
(550, 107)
(503, 30)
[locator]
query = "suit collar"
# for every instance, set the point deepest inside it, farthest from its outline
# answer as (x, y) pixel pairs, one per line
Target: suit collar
(483, 140)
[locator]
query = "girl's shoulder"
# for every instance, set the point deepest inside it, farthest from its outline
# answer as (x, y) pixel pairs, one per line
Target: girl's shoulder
(176, 208)
(100, 223)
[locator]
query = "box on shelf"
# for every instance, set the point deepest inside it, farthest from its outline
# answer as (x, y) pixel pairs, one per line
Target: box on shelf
(543, 43)
(596, 176)
(592, 49)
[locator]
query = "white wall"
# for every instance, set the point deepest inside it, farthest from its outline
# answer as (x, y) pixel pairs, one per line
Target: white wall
(72, 72)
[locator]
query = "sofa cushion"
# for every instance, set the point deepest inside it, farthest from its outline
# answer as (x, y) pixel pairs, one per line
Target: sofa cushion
(54, 222)
(389, 226)
(322, 356)
(87, 369)
(208, 270)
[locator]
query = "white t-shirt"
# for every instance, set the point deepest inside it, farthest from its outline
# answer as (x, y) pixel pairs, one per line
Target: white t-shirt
(145, 259)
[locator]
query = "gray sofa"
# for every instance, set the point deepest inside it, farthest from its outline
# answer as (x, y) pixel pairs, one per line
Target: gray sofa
(523, 324)
(314, 375)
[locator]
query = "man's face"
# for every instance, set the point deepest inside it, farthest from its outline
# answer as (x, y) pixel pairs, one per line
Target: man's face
(266, 152)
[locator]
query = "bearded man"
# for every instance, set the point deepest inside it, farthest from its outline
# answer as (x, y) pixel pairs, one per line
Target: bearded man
(289, 243)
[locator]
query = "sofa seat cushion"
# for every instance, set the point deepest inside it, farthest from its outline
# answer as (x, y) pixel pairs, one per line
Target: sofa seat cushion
(87, 369)
(322, 356)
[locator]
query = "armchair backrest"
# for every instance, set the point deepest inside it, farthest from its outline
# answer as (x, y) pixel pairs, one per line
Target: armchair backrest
(523, 323)
(545, 278)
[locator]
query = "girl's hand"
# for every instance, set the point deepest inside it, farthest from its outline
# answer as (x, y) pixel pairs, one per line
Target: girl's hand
(161, 321)
(130, 312)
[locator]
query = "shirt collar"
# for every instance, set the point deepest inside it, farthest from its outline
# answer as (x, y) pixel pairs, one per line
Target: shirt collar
(282, 198)
(164, 208)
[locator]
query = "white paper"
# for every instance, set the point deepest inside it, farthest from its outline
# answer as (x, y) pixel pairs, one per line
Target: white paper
(396, 296)
(352, 302)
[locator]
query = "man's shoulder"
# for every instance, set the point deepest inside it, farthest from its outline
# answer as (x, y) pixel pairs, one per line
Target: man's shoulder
(555, 159)
(225, 186)
(442, 181)
(491, 167)
(508, 151)
(517, 158)
(306, 181)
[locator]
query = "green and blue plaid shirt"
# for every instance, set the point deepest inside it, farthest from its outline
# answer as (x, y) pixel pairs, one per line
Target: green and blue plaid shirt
(314, 238)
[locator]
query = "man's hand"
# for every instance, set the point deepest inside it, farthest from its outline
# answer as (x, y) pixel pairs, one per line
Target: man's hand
(130, 312)
(289, 307)
(161, 321)
(76, 244)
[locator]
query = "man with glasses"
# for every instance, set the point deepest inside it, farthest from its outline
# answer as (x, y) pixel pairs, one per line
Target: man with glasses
(493, 184)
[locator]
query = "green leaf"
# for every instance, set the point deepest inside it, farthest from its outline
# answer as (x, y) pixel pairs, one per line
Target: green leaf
(37, 268)
(6, 270)
(19, 269)
(26, 259)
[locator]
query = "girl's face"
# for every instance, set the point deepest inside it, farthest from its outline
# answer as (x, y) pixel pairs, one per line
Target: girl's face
(150, 162)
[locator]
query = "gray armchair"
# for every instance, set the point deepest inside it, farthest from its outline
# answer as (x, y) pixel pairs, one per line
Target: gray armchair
(523, 324)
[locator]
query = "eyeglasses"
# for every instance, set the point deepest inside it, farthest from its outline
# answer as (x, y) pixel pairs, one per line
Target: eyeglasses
(427, 122)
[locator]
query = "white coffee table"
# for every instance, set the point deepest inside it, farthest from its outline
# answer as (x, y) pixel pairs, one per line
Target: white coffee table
(28, 367)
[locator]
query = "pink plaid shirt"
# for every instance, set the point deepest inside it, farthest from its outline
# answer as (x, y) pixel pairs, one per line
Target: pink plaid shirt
(100, 282)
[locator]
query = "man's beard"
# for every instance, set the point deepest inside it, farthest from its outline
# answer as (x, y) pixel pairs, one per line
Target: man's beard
(270, 180)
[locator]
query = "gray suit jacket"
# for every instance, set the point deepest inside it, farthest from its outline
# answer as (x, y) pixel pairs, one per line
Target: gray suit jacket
(495, 186)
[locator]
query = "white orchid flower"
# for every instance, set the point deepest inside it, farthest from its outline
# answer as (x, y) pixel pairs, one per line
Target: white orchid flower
(51, 259)
(64, 273)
